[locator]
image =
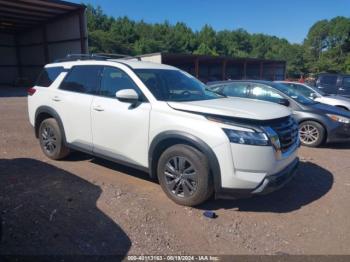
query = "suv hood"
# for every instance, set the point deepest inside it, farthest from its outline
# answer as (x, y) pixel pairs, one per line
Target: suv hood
(234, 107)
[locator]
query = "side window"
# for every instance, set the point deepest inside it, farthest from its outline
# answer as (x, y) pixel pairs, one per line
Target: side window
(236, 89)
(113, 80)
(83, 79)
(48, 75)
(303, 90)
(266, 93)
(328, 80)
(346, 82)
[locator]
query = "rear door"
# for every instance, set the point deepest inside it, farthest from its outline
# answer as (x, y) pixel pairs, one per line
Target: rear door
(120, 130)
(344, 89)
(73, 100)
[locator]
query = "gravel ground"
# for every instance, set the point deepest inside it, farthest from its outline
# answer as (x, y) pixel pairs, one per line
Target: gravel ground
(85, 205)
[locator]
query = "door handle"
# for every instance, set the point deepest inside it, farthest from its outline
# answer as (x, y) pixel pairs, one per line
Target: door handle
(56, 98)
(98, 108)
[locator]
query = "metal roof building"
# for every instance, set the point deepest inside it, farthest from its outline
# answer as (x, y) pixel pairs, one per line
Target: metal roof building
(213, 68)
(36, 32)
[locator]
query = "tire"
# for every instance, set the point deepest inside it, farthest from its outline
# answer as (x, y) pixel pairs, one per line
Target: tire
(312, 134)
(188, 188)
(51, 140)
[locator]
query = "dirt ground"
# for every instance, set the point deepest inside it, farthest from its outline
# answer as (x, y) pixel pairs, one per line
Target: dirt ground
(85, 205)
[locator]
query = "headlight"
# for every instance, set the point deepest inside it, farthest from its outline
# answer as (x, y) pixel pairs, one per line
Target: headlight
(247, 138)
(339, 119)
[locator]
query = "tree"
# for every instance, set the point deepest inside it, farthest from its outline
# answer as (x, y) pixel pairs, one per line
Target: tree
(326, 47)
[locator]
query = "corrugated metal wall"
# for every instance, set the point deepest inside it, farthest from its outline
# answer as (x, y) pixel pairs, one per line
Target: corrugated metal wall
(23, 55)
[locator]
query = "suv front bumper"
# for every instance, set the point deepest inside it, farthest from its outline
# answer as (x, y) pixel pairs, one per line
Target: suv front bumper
(269, 184)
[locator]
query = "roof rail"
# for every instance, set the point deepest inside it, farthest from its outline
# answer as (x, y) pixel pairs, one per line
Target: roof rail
(97, 56)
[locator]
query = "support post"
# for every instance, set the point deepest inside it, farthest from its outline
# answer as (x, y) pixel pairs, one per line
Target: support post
(46, 47)
(196, 67)
(83, 38)
(224, 63)
(245, 70)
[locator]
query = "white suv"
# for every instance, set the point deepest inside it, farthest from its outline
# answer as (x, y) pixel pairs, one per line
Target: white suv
(162, 120)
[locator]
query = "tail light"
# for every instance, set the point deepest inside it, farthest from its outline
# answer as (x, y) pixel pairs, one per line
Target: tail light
(31, 91)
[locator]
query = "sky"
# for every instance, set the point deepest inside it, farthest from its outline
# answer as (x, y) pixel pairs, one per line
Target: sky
(282, 18)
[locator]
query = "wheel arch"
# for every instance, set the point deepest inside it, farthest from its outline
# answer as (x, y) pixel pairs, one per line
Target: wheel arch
(342, 107)
(45, 112)
(169, 138)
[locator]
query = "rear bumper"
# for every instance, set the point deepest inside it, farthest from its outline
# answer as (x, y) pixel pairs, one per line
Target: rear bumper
(269, 184)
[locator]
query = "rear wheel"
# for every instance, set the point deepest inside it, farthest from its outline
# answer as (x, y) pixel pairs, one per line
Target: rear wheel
(51, 140)
(183, 173)
(311, 133)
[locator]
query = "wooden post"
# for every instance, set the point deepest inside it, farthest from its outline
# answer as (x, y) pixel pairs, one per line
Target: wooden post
(261, 70)
(245, 70)
(196, 67)
(224, 63)
(45, 45)
(81, 14)
(18, 57)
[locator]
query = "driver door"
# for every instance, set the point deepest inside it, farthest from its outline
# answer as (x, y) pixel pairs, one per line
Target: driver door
(119, 129)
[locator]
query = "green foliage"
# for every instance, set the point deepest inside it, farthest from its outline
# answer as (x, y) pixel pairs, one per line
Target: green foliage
(326, 47)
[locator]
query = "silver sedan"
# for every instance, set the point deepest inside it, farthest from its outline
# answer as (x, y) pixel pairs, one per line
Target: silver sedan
(318, 95)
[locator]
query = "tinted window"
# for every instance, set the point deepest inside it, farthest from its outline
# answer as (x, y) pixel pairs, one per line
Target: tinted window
(48, 76)
(236, 89)
(174, 85)
(303, 90)
(113, 80)
(292, 93)
(83, 79)
(328, 80)
(346, 82)
(266, 93)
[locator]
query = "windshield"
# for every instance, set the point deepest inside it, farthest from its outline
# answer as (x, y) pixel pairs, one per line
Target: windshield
(174, 85)
(291, 92)
(317, 90)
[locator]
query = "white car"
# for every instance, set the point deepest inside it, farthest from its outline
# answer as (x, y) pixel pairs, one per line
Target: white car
(319, 96)
(162, 120)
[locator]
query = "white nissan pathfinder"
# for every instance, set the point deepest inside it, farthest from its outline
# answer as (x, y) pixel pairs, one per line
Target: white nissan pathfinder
(162, 120)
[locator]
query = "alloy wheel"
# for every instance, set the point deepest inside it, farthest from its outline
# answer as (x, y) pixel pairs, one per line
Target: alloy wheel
(309, 134)
(49, 140)
(181, 176)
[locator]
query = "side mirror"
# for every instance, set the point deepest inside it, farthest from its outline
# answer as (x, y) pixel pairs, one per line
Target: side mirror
(284, 102)
(313, 95)
(127, 96)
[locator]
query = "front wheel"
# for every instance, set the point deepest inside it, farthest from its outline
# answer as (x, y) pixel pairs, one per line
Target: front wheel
(311, 133)
(183, 173)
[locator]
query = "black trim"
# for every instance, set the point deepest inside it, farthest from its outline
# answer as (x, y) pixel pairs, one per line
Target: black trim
(269, 184)
(167, 136)
(112, 159)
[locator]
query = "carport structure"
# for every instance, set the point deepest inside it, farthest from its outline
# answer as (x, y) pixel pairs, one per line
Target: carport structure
(36, 32)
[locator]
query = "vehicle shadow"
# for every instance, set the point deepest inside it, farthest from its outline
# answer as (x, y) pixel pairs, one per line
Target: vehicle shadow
(50, 212)
(10, 91)
(338, 145)
(310, 183)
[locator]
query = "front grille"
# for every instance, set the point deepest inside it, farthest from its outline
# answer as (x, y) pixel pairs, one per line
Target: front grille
(287, 131)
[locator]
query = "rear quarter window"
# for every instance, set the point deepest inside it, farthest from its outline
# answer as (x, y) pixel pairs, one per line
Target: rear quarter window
(48, 76)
